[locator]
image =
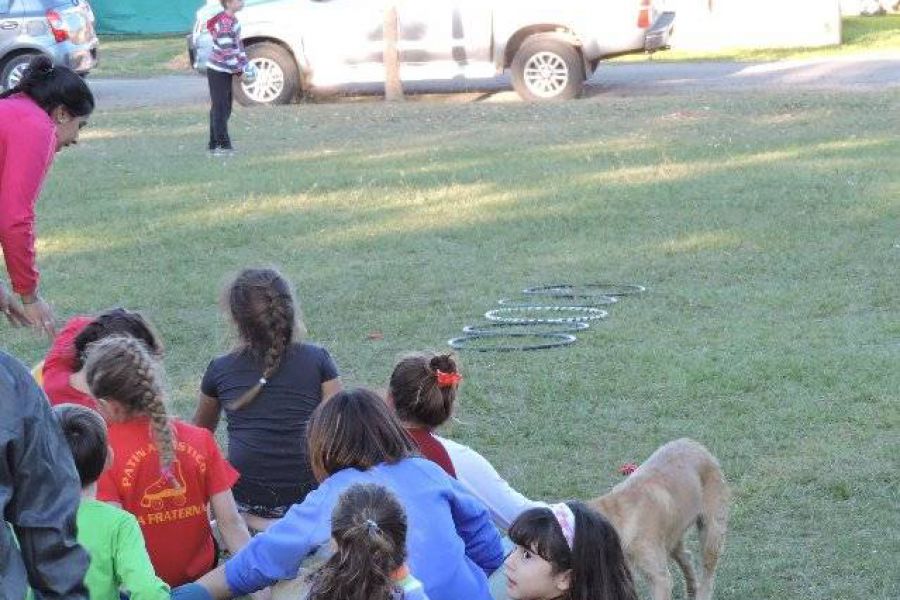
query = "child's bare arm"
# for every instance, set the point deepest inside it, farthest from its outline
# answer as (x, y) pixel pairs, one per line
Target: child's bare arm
(207, 412)
(231, 525)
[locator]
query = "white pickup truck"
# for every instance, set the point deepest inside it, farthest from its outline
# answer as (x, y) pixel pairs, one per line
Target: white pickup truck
(550, 46)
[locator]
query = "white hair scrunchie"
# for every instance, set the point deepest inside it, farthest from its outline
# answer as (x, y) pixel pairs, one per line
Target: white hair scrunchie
(566, 519)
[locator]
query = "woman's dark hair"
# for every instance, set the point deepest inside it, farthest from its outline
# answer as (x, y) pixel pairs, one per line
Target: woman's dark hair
(116, 321)
(355, 428)
(368, 527)
(414, 387)
(262, 307)
(53, 86)
(85, 431)
(596, 561)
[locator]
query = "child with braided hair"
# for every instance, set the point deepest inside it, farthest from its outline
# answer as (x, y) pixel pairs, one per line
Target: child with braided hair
(368, 532)
(164, 472)
(269, 387)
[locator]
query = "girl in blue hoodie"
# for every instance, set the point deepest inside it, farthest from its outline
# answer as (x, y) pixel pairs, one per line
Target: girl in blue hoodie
(354, 438)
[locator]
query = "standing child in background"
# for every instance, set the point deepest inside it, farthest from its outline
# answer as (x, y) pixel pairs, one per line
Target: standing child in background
(269, 387)
(111, 536)
(164, 472)
(566, 551)
(368, 532)
(226, 60)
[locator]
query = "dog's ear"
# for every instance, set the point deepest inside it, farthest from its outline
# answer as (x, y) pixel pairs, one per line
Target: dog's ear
(563, 580)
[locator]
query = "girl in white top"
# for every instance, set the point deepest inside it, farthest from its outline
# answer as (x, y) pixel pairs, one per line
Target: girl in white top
(423, 390)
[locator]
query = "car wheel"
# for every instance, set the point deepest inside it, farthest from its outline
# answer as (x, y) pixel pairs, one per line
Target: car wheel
(277, 80)
(13, 70)
(547, 68)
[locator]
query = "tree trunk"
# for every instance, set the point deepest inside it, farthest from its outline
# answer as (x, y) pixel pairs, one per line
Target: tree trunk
(393, 87)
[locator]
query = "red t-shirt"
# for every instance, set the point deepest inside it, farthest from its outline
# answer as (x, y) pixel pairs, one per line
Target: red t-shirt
(432, 449)
(60, 364)
(173, 519)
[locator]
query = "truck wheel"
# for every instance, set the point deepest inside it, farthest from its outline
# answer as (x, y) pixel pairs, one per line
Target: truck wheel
(13, 70)
(277, 80)
(547, 68)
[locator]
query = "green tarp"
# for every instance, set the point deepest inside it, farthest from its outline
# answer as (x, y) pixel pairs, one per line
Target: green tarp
(145, 16)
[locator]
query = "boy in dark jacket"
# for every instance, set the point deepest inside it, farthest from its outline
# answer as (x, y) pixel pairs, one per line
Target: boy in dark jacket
(39, 495)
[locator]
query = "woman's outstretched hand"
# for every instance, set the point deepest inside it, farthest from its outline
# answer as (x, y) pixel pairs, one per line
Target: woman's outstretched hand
(12, 309)
(39, 314)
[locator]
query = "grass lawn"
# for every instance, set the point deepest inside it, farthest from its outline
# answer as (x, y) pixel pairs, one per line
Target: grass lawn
(131, 56)
(766, 226)
(128, 56)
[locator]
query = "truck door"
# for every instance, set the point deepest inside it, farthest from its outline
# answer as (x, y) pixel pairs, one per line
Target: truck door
(342, 35)
(444, 31)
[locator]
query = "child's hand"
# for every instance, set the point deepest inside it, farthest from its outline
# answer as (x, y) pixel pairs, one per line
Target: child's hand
(249, 74)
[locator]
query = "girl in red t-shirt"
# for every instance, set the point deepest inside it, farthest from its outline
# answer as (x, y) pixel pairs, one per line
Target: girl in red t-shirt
(165, 472)
(63, 369)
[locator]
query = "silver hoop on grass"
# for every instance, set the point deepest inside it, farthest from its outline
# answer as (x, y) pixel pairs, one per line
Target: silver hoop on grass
(558, 340)
(498, 326)
(574, 290)
(588, 313)
(593, 300)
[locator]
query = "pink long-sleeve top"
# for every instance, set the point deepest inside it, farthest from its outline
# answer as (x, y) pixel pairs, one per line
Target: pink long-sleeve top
(27, 148)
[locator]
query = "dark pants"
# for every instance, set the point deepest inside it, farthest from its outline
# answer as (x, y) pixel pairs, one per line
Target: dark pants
(220, 95)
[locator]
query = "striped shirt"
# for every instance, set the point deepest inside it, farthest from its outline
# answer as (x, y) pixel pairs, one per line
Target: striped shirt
(227, 54)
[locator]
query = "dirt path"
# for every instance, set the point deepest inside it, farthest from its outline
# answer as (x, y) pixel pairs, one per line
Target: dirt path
(867, 72)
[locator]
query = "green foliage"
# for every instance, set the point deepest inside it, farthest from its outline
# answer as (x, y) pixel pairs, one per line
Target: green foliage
(765, 226)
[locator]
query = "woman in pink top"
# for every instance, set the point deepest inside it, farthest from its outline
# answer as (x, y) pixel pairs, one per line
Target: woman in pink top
(38, 117)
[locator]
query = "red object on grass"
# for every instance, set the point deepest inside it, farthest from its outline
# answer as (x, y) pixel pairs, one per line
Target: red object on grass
(628, 469)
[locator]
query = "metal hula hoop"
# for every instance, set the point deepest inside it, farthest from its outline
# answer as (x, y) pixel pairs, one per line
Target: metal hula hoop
(494, 326)
(589, 314)
(567, 290)
(562, 339)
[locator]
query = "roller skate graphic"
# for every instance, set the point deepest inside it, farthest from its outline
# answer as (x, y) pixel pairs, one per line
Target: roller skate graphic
(168, 486)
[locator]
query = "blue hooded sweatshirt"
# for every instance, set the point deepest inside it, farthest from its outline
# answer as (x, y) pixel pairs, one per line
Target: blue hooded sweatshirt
(451, 541)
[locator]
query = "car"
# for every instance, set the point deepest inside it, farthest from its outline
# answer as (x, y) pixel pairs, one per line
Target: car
(550, 48)
(60, 29)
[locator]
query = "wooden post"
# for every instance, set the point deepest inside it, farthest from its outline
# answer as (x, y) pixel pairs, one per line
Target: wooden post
(393, 86)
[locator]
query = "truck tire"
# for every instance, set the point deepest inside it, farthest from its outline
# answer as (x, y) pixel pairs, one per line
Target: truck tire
(12, 71)
(547, 68)
(277, 80)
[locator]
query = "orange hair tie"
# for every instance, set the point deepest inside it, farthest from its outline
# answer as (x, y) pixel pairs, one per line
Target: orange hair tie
(445, 380)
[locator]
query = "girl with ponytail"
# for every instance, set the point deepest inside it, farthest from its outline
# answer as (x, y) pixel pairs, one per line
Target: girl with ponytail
(268, 387)
(423, 390)
(368, 533)
(38, 117)
(165, 472)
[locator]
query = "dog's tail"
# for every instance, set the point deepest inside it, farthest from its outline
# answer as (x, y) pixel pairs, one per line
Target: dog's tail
(712, 524)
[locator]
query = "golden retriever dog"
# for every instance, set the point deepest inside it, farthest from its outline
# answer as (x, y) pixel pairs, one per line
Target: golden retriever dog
(681, 485)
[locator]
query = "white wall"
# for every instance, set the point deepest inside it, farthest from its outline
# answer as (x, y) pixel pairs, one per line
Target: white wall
(712, 24)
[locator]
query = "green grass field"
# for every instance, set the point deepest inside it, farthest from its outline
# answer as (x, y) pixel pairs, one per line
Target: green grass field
(766, 226)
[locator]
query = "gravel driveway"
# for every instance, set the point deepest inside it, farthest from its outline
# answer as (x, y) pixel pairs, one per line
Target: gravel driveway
(862, 73)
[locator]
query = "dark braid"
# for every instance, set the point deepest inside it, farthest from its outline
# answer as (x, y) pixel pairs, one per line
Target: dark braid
(262, 306)
(120, 369)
